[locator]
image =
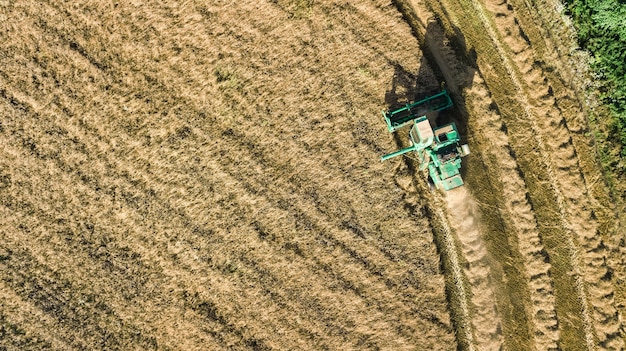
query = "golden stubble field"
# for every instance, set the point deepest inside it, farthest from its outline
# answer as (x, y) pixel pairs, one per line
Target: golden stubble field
(185, 175)
(202, 176)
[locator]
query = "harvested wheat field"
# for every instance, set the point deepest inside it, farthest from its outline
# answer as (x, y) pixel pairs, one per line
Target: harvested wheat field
(206, 176)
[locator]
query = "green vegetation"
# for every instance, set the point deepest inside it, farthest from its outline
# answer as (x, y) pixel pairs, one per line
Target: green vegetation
(601, 26)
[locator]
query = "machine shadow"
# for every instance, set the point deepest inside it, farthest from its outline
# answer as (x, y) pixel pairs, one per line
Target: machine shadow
(446, 64)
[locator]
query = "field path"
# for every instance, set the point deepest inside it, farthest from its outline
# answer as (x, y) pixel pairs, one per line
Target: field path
(465, 220)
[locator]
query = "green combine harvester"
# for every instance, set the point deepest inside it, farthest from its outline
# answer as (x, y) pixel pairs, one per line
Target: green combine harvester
(437, 149)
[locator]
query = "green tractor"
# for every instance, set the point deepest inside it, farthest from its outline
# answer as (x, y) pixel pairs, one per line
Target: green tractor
(437, 149)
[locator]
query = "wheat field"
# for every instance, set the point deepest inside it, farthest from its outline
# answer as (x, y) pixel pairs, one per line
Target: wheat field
(206, 175)
(183, 175)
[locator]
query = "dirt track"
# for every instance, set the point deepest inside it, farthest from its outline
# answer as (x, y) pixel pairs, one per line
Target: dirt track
(206, 176)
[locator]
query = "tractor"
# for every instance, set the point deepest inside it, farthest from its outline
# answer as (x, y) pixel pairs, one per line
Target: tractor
(438, 149)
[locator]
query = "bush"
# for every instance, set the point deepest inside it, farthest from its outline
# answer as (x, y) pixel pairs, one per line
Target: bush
(601, 26)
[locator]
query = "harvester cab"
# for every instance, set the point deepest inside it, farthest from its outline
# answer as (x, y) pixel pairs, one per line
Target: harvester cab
(437, 149)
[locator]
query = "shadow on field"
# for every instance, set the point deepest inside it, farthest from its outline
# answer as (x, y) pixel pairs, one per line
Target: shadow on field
(446, 64)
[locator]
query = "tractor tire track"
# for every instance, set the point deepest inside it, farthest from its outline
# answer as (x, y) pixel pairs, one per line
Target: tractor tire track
(459, 298)
(465, 220)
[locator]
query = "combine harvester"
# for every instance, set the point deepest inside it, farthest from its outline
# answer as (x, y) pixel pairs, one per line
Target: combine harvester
(437, 149)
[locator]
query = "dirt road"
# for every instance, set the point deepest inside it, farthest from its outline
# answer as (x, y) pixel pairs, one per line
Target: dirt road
(206, 175)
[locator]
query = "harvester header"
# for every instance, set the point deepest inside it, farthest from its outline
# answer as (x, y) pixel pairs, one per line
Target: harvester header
(402, 116)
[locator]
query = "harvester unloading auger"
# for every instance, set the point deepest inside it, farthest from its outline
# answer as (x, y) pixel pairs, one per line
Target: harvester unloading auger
(437, 149)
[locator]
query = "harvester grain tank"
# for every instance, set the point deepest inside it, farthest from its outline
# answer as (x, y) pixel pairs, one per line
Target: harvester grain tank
(437, 149)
